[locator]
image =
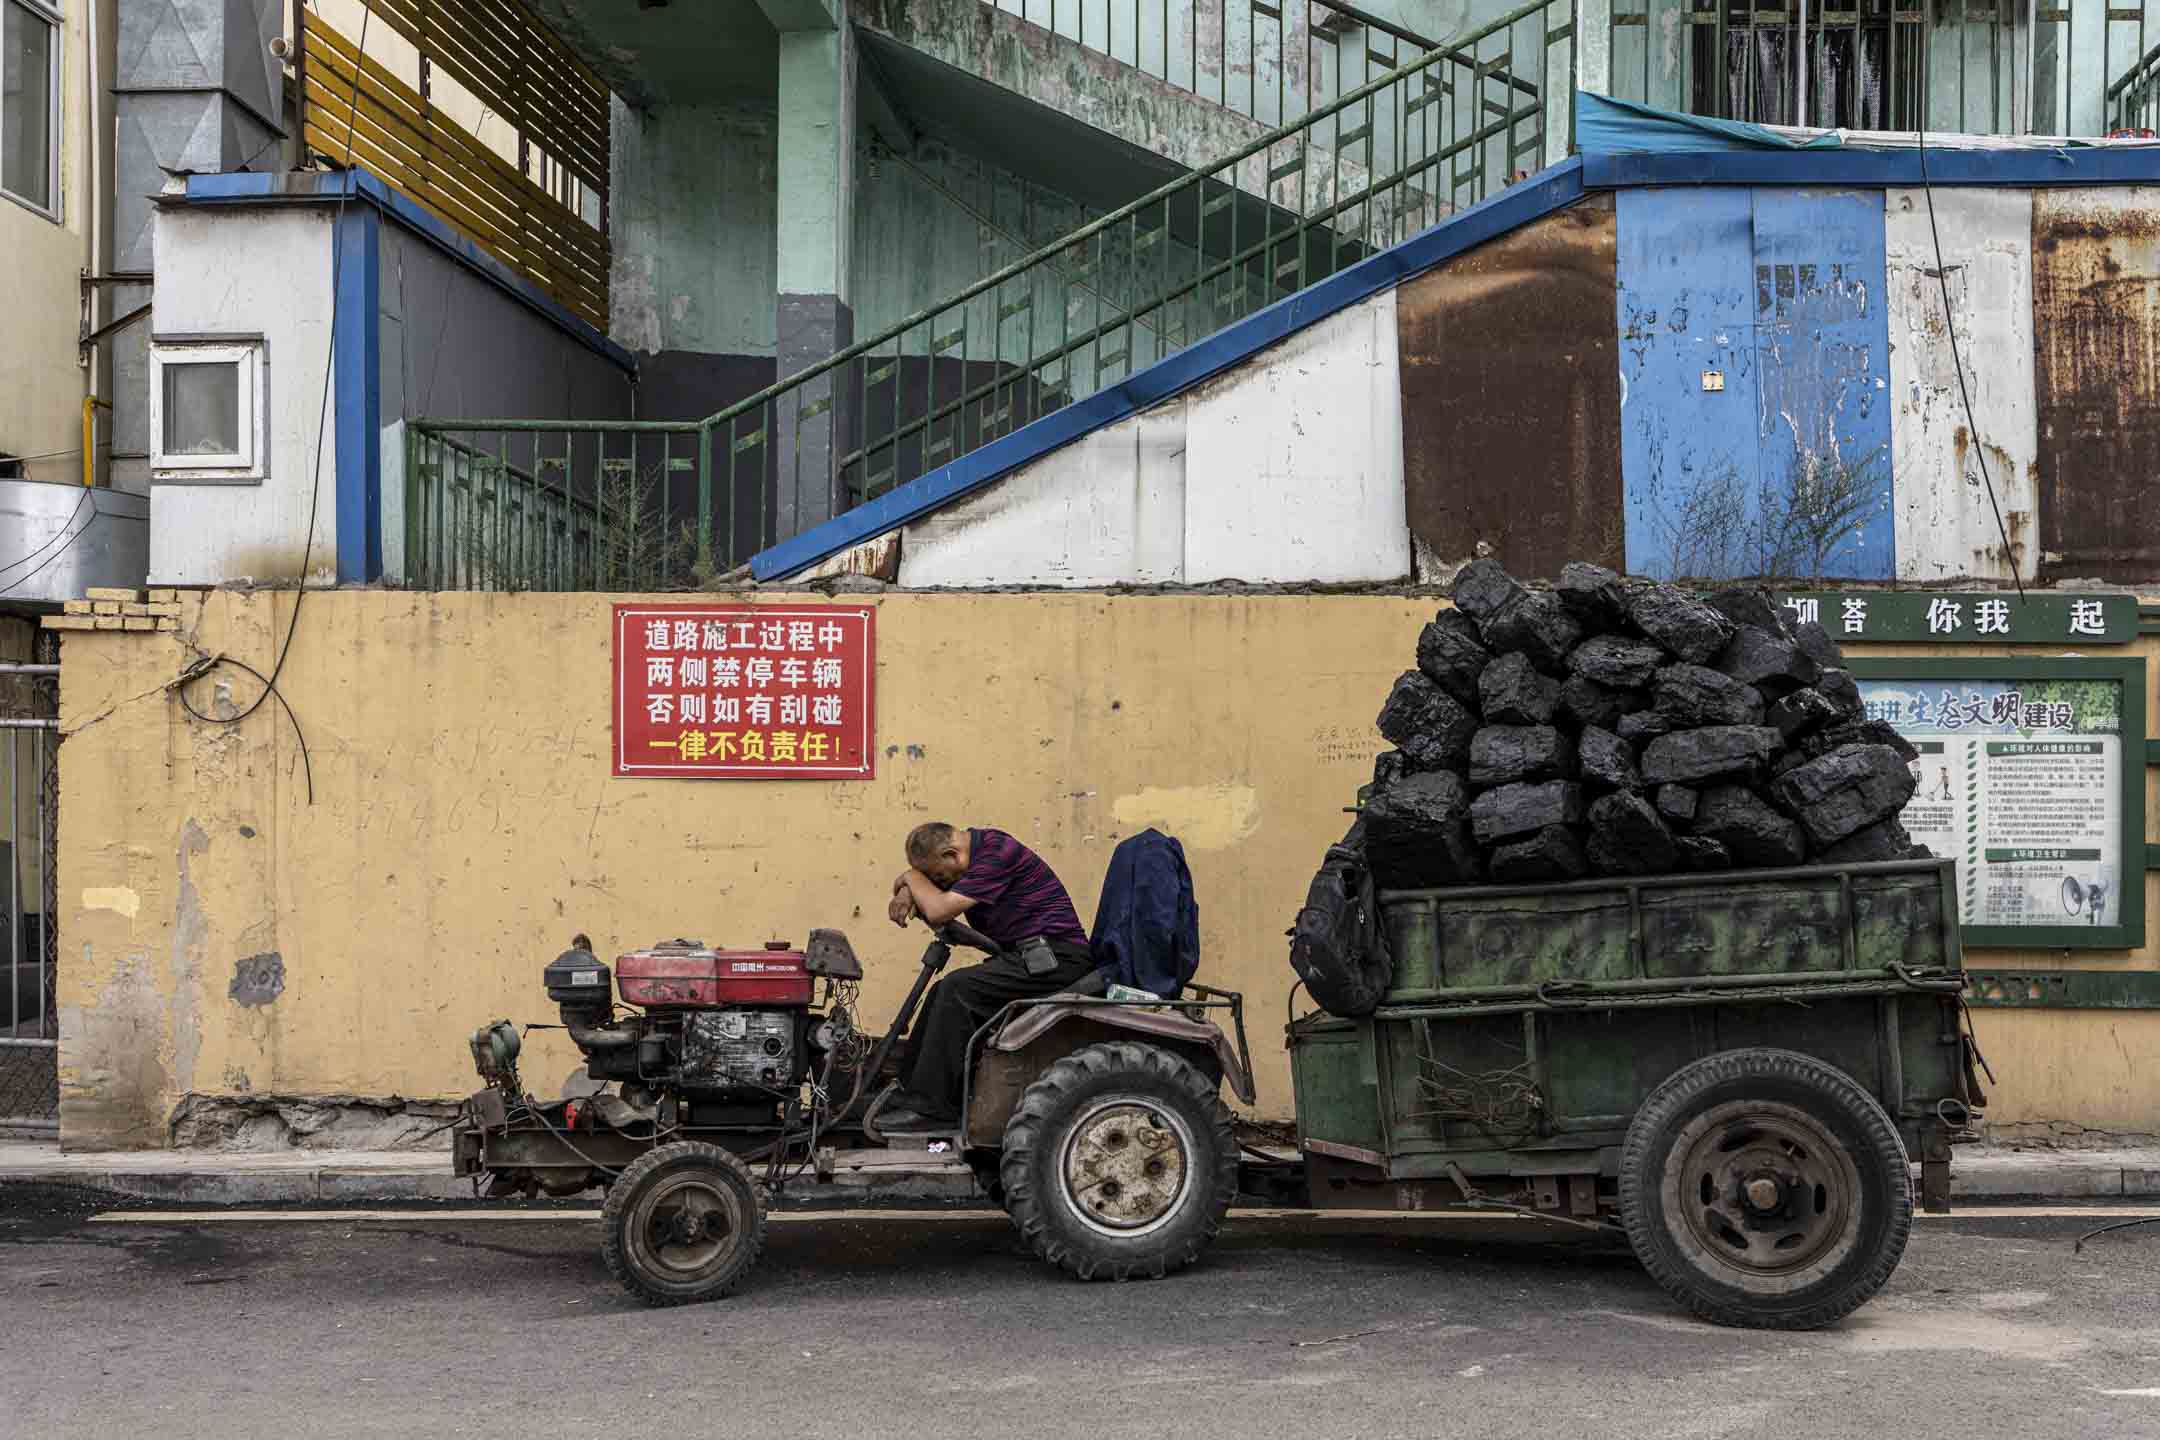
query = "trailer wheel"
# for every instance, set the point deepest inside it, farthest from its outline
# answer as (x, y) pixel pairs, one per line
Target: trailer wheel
(1766, 1189)
(1120, 1162)
(683, 1223)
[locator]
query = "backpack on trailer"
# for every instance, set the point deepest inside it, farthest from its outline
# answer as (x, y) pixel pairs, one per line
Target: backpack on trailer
(1336, 946)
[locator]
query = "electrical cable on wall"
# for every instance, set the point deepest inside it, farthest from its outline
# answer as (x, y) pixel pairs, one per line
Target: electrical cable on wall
(206, 666)
(1957, 360)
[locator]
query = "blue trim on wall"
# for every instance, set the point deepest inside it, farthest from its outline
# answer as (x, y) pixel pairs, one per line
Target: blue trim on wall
(1518, 205)
(356, 251)
(2072, 165)
(244, 188)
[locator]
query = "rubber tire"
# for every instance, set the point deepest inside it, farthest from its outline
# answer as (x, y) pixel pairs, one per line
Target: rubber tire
(648, 1169)
(1035, 1194)
(1846, 1110)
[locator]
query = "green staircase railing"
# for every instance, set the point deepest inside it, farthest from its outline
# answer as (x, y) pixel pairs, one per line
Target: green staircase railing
(549, 505)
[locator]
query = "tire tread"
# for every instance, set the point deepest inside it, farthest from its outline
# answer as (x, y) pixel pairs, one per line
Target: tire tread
(1037, 1111)
(1672, 1099)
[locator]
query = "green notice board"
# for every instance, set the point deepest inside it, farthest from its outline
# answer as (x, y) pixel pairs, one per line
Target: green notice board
(2032, 777)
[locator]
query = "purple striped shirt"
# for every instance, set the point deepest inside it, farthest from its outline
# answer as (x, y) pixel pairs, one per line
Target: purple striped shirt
(1016, 895)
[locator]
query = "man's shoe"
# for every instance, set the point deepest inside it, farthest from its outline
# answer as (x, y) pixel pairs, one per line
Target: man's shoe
(911, 1114)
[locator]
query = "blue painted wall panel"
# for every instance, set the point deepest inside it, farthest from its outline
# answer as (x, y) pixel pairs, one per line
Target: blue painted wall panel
(1777, 296)
(1686, 297)
(1822, 343)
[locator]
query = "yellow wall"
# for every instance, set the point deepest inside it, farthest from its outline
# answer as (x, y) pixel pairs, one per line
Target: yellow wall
(465, 825)
(41, 387)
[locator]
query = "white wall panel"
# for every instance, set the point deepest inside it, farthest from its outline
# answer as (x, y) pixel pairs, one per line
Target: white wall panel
(1294, 463)
(1945, 526)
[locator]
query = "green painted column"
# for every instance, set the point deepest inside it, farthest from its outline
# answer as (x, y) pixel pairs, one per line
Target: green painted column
(813, 316)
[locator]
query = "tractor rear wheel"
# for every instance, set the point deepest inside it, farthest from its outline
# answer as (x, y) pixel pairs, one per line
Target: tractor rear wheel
(1767, 1189)
(684, 1223)
(1119, 1162)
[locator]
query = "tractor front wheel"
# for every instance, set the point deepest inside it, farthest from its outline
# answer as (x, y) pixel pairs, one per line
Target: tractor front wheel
(684, 1223)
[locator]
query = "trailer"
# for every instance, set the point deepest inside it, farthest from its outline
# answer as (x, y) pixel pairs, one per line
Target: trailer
(1734, 1069)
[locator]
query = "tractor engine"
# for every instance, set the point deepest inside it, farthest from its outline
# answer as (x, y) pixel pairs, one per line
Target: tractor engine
(727, 1034)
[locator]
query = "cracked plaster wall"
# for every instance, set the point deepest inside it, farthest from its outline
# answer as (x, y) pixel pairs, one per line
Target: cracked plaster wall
(465, 825)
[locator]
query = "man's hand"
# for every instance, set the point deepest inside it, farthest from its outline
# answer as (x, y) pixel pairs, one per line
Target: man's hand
(902, 908)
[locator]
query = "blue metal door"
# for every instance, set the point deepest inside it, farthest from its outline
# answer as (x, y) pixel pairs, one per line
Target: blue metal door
(1754, 367)
(1822, 338)
(1688, 417)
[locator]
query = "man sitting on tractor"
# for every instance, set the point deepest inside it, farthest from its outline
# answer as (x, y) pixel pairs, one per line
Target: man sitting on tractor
(1003, 890)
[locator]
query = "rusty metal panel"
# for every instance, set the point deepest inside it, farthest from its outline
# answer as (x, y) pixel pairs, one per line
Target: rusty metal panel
(2096, 330)
(1511, 398)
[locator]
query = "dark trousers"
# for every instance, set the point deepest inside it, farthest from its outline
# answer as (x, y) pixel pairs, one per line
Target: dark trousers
(962, 1002)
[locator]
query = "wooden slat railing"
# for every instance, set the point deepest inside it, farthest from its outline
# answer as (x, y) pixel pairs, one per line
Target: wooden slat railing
(357, 111)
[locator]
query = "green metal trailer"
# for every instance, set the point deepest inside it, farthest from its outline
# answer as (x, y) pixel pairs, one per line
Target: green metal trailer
(1736, 1069)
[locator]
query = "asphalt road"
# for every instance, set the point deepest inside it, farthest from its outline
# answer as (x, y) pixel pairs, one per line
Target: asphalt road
(940, 1327)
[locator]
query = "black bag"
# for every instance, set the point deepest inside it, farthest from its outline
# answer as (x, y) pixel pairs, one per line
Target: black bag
(1336, 946)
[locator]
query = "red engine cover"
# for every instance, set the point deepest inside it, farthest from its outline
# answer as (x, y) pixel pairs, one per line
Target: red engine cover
(677, 975)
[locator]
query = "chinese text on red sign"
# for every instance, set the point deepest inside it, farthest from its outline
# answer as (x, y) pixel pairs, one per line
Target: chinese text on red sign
(744, 692)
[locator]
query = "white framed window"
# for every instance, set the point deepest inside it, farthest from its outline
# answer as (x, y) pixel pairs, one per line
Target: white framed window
(31, 46)
(207, 399)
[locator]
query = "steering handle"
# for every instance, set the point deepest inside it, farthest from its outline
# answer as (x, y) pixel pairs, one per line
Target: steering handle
(954, 932)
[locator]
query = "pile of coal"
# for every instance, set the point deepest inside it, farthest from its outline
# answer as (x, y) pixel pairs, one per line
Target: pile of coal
(1625, 727)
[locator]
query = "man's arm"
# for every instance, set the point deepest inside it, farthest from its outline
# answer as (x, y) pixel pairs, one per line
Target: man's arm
(936, 906)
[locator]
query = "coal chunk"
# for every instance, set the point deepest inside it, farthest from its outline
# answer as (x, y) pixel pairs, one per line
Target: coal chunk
(1628, 837)
(1816, 644)
(1839, 687)
(1617, 661)
(1552, 854)
(1752, 609)
(1773, 664)
(1608, 761)
(1676, 803)
(1641, 725)
(1846, 790)
(1800, 712)
(1750, 829)
(1679, 622)
(1514, 810)
(1588, 703)
(1534, 625)
(1504, 754)
(1594, 595)
(1426, 724)
(1450, 655)
(1388, 767)
(1711, 753)
(1417, 833)
(1483, 589)
(1512, 692)
(1857, 732)
(1695, 853)
(1884, 840)
(1691, 695)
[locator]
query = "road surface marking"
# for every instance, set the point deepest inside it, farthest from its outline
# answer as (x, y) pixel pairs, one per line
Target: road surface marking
(790, 1217)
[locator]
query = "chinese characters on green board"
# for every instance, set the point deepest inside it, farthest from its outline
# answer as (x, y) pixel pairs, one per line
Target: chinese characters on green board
(1886, 615)
(2020, 784)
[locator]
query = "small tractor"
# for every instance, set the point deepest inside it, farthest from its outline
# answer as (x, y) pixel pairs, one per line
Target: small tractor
(728, 1078)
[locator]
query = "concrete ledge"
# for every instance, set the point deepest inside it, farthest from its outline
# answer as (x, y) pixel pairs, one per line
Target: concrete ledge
(342, 1177)
(1983, 1172)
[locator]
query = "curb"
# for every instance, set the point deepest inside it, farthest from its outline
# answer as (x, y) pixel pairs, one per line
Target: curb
(2015, 1176)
